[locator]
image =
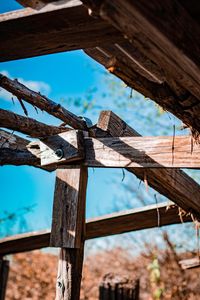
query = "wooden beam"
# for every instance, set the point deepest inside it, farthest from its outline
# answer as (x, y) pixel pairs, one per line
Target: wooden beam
(68, 229)
(172, 183)
(58, 27)
(164, 91)
(4, 270)
(190, 263)
(42, 102)
(18, 151)
(116, 223)
(142, 152)
(62, 148)
(36, 4)
(27, 125)
(151, 26)
(69, 207)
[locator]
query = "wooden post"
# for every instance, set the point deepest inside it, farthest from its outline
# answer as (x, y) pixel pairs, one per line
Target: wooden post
(68, 229)
(4, 269)
(118, 288)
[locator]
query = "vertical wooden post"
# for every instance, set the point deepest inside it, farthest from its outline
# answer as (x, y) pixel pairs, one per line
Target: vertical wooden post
(118, 288)
(4, 270)
(68, 228)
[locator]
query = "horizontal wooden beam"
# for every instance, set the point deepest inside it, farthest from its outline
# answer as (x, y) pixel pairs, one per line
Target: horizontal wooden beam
(27, 125)
(65, 147)
(143, 152)
(58, 27)
(36, 99)
(18, 151)
(136, 219)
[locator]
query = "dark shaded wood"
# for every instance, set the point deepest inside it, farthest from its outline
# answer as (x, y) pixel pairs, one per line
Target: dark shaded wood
(168, 94)
(112, 224)
(68, 229)
(142, 152)
(171, 183)
(57, 27)
(69, 207)
(18, 151)
(27, 125)
(4, 270)
(42, 102)
(115, 287)
(160, 27)
(65, 147)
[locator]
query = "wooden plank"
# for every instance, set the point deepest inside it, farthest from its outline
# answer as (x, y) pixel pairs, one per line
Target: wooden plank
(27, 125)
(151, 26)
(142, 152)
(112, 224)
(57, 27)
(64, 147)
(68, 229)
(172, 183)
(18, 151)
(168, 94)
(69, 207)
(36, 99)
(190, 263)
(36, 4)
(150, 216)
(4, 270)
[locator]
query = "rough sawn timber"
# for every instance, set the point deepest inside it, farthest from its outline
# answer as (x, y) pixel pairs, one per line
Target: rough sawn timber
(57, 27)
(126, 221)
(172, 183)
(68, 229)
(142, 152)
(36, 99)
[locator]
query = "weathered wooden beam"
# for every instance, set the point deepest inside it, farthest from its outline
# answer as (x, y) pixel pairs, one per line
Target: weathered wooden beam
(190, 263)
(142, 152)
(126, 221)
(42, 102)
(167, 93)
(69, 207)
(4, 270)
(146, 217)
(173, 184)
(58, 27)
(27, 125)
(64, 147)
(36, 4)
(68, 229)
(150, 26)
(18, 151)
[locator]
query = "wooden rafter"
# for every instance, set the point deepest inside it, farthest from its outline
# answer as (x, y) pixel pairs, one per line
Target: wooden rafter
(55, 28)
(112, 224)
(42, 102)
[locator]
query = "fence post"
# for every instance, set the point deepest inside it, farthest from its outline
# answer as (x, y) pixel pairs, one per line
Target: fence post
(4, 269)
(118, 288)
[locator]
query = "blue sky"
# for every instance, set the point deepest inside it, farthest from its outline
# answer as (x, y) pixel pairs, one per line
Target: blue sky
(63, 77)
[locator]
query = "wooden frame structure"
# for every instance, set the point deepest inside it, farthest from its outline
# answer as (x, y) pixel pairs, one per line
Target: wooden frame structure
(129, 39)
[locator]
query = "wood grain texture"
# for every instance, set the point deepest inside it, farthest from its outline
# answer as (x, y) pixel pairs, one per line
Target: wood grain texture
(42, 102)
(69, 207)
(115, 223)
(57, 27)
(27, 125)
(160, 26)
(172, 183)
(62, 148)
(18, 151)
(4, 270)
(142, 152)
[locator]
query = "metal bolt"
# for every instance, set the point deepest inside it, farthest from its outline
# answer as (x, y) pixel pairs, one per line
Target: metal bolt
(59, 153)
